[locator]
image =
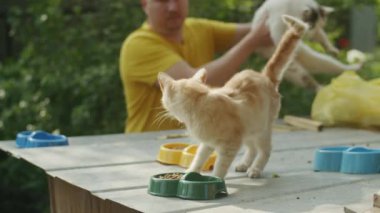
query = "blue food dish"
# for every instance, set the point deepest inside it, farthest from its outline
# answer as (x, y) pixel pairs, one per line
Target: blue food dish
(347, 159)
(22, 137)
(329, 159)
(361, 160)
(29, 139)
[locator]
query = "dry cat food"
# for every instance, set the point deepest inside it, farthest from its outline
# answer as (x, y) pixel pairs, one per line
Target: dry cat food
(171, 176)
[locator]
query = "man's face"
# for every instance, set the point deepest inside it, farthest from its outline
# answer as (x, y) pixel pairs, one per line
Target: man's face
(166, 16)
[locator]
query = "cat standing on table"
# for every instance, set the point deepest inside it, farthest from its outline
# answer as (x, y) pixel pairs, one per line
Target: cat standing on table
(240, 112)
(307, 61)
(170, 41)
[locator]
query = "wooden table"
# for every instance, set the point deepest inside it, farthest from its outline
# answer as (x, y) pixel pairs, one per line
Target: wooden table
(110, 173)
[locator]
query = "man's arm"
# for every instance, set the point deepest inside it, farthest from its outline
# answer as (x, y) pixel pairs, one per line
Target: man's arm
(222, 69)
(241, 31)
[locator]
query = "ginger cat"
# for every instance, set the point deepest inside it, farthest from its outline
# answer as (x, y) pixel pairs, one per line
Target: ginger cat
(307, 61)
(240, 112)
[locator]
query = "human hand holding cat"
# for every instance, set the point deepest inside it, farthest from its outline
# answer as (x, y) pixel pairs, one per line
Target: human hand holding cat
(308, 61)
(260, 34)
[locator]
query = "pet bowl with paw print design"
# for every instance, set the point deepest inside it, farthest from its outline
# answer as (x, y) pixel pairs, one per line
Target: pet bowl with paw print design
(182, 154)
(170, 153)
(188, 156)
(346, 159)
(30, 139)
(165, 184)
(194, 186)
(329, 159)
(190, 186)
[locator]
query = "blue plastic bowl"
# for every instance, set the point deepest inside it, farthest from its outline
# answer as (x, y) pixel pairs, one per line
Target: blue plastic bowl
(361, 160)
(22, 137)
(329, 158)
(29, 139)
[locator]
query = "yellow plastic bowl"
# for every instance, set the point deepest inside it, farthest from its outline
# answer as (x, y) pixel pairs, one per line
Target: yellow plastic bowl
(171, 153)
(188, 155)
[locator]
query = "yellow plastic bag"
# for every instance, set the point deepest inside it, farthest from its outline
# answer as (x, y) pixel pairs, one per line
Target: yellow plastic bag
(348, 100)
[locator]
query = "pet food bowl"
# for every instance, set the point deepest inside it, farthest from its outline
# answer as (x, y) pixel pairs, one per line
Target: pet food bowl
(182, 154)
(22, 138)
(361, 160)
(194, 186)
(346, 159)
(329, 158)
(165, 184)
(191, 186)
(188, 156)
(29, 139)
(171, 153)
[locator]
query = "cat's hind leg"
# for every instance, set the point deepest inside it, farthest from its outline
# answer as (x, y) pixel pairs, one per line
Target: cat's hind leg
(264, 147)
(203, 152)
(223, 162)
(249, 155)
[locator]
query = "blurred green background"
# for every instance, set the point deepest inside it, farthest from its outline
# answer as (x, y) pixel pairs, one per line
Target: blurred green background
(59, 72)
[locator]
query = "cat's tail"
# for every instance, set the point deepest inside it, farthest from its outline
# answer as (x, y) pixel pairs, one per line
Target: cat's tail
(284, 53)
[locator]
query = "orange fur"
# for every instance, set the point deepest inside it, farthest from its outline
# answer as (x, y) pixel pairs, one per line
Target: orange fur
(241, 112)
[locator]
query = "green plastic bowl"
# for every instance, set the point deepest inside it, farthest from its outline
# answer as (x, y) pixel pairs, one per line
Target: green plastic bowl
(160, 186)
(194, 186)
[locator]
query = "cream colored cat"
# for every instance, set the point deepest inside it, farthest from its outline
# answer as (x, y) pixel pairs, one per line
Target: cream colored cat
(307, 61)
(241, 112)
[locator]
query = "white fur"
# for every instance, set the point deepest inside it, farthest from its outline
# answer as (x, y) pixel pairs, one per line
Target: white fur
(307, 61)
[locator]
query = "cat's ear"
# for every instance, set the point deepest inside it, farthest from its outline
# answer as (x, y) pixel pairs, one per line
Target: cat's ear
(325, 10)
(200, 75)
(163, 79)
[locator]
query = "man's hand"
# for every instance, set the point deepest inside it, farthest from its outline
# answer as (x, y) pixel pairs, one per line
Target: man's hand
(260, 34)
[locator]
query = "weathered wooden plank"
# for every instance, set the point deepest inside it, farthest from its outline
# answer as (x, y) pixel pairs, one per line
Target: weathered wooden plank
(118, 167)
(130, 176)
(244, 191)
(116, 149)
(99, 154)
(354, 194)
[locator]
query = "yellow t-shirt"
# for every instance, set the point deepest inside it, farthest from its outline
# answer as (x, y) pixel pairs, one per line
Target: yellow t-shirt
(145, 53)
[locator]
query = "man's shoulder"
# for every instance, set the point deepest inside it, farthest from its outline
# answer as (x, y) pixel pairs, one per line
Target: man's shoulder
(141, 35)
(141, 32)
(191, 21)
(203, 23)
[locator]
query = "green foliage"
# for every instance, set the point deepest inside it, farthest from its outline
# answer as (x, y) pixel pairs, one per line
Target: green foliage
(66, 77)
(224, 10)
(23, 188)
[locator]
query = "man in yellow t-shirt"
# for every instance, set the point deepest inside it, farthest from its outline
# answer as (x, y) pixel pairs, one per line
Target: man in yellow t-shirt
(169, 42)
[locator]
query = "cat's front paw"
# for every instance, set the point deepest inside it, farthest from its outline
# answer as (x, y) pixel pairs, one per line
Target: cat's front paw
(355, 67)
(333, 51)
(319, 88)
(254, 173)
(241, 168)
